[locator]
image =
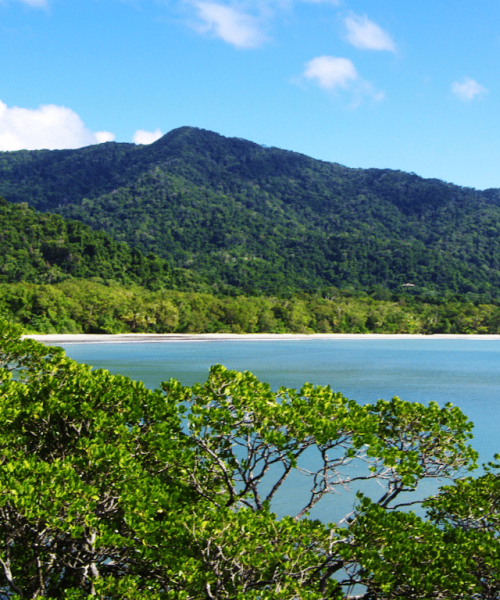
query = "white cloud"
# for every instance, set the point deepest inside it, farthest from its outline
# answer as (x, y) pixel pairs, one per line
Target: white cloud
(339, 74)
(367, 35)
(52, 127)
(229, 24)
(146, 137)
(467, 89)
(331, 72)
(36, 3)
(104, 136)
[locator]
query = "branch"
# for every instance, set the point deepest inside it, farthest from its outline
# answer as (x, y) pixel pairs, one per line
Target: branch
(8, 576)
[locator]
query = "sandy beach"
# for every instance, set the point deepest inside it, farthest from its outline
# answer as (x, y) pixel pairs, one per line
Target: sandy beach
(137, 338)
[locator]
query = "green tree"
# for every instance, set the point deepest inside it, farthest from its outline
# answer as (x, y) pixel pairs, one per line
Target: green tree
(112, 490)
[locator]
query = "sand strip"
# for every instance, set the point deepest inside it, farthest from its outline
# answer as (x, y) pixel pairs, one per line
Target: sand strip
(128, 338)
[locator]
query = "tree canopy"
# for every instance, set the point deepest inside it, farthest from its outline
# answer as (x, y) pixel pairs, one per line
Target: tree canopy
(113, 490)
(58, 275)
(266, 221)
(45, 248)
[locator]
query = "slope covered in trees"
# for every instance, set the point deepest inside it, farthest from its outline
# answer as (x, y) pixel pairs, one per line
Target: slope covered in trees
(46, 248)
(264, 220)
(61, 276)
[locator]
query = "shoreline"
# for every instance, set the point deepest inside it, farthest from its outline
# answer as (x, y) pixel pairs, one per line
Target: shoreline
(141, 338)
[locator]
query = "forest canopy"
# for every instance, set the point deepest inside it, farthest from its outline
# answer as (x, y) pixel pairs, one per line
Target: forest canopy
(251, 220)
(113, 490)
(45, 248)
(99, 306)
(60, 276)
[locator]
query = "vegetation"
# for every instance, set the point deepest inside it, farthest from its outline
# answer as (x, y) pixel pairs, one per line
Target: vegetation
(254, 240)
(45, 248)
(96, 306)
(261, 221)
(61, 276)
(112, 490)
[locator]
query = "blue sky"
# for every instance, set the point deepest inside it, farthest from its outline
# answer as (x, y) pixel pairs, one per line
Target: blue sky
(413, 86)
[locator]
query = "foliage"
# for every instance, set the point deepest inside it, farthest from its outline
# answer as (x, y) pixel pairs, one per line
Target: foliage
(453, 554)
(98, 306)
(254, 220)
(109, 489)
(45, 248)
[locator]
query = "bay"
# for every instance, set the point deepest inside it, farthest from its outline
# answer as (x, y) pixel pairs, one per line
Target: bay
(463, 372)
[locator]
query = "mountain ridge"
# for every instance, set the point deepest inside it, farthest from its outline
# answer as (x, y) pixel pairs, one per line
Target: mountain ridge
(265, 220)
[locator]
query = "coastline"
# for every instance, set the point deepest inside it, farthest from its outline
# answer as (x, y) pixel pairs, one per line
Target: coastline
(141, 338)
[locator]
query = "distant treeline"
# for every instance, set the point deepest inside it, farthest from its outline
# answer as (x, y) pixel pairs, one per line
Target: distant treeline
(94, 306)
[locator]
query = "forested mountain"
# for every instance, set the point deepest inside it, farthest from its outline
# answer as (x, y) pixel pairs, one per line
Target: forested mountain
(46, 248)
(264, 220)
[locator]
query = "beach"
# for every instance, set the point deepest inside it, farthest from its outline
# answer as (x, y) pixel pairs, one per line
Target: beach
(137, 338)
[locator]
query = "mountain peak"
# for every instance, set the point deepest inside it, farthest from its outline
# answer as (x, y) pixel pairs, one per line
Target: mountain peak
(258, 218)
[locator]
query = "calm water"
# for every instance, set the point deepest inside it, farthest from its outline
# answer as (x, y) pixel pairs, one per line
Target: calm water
(464, 372)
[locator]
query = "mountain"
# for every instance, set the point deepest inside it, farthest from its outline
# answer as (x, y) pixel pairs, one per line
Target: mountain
(264, 220)
(45, 248)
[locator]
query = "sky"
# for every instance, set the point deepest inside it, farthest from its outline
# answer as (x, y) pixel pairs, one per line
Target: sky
(413, 86)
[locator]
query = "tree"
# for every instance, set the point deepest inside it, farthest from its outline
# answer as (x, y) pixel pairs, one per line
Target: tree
(454, 553)
(110, 489)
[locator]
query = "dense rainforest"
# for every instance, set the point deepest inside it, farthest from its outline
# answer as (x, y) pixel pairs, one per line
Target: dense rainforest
(61, 276)
(95, 306)
(44, 248)
(247, 219)
(201, 233)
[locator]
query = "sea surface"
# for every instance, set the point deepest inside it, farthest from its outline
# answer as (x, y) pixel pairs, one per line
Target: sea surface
(463, 372)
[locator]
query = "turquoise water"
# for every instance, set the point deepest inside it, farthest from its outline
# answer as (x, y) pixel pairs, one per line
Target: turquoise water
(464, 372)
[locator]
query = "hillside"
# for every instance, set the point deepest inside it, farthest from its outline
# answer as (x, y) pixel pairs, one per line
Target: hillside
(264, 220)
(46, 248)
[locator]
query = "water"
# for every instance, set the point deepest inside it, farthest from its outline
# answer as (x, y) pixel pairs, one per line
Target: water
(463, 372)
